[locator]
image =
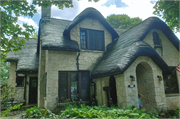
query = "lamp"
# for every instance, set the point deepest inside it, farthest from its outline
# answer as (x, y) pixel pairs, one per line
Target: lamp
(160, 78)
(132, 78)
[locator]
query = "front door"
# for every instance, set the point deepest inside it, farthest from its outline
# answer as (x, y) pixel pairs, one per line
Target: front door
(33, 90)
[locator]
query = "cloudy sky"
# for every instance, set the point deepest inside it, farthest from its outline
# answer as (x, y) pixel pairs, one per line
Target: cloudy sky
(133, 8)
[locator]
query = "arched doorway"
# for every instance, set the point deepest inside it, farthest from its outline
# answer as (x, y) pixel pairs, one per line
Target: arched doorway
(113, 93)
(145, 85)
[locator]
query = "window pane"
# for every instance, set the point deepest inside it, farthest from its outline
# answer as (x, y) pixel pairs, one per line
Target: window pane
(92, 39)
(74, 86)
(83, 40)
(156, 39)
(85, 87)
(20, 81)
(171, 83)
(99, 40)
(63, 85)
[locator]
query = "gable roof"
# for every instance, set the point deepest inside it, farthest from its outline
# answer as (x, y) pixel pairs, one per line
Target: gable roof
(27, 58)
(51, 35)
(93, 13)
(130, 45)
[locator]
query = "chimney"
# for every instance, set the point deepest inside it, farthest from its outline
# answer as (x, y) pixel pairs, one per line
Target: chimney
(46, 12)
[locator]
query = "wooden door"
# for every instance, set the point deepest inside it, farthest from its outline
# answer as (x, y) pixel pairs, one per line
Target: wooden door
(33, 90)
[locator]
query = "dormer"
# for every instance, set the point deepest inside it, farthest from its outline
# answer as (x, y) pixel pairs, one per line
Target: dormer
(91, 30)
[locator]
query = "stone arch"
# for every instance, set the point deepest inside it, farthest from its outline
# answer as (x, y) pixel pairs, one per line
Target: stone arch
(145, 85)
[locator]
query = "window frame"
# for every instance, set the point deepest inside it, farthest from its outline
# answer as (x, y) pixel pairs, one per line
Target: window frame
(156, 40)
(68, 85)
(23, 81)
(169, 81)
(87, 39)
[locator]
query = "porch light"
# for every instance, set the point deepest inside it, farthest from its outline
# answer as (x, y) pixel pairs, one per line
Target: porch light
(160, 78)
(132, 78)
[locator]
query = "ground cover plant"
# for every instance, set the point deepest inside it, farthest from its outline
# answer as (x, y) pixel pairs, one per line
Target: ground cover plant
(73, 111)
(36, 112)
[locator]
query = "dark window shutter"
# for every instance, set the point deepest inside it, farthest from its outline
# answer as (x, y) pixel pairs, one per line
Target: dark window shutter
(85, 86)
(63, 78)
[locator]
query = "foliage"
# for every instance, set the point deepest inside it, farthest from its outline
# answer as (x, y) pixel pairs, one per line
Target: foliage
(103, 112)
(5, 66)
(36, 112)
(122, 21)
(6, 112)
(34, 35)
(7, 92)
(11, 31)
(172, 113)
(169, 11)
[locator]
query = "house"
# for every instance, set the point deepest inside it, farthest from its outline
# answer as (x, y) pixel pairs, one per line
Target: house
(85, 57)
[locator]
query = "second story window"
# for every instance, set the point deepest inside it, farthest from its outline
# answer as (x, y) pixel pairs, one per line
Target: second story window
(91, 39)
(157, 41)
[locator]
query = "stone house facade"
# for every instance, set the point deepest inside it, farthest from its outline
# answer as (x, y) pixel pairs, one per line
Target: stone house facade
(86, 58)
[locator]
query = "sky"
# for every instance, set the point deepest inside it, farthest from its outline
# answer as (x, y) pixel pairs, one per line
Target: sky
(133, 8)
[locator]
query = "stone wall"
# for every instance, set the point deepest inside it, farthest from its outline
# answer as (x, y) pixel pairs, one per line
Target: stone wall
(12, 74)
(170, 54)
(172, 101)
(41, 78)
(100, 94)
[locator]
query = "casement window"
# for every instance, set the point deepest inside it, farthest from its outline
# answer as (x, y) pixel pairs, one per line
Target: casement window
(170, 82)
(92, 39)
(157, 41)
(74, 85)
(19, 81)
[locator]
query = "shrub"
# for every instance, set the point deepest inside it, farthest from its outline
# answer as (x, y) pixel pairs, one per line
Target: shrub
(7, 92)
(172, 113)
(6, 112)
(36, 112)
(103, 112)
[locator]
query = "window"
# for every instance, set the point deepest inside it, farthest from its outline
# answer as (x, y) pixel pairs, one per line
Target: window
(19, 81)
(156, 39)
(74, 85)
(170, 82)
(92, 39)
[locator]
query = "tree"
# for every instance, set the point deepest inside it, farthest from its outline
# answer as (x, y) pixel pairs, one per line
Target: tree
(122, 21)
(5, 66)
(169, 11)
(11, 30)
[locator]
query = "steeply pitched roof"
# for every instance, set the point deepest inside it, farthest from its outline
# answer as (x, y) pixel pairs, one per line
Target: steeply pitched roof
(51, 35)
(129, 46)
(27, 58)
(92, 13)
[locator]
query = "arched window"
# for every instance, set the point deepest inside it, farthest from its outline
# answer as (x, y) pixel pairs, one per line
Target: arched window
(156, 39)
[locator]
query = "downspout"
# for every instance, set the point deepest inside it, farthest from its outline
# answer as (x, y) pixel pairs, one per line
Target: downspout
(94, 96)
(77, 59)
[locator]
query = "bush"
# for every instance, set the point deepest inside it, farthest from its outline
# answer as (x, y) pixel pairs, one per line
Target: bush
(103, 112)
(36, 112)
(11, 108)
(172, 113)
